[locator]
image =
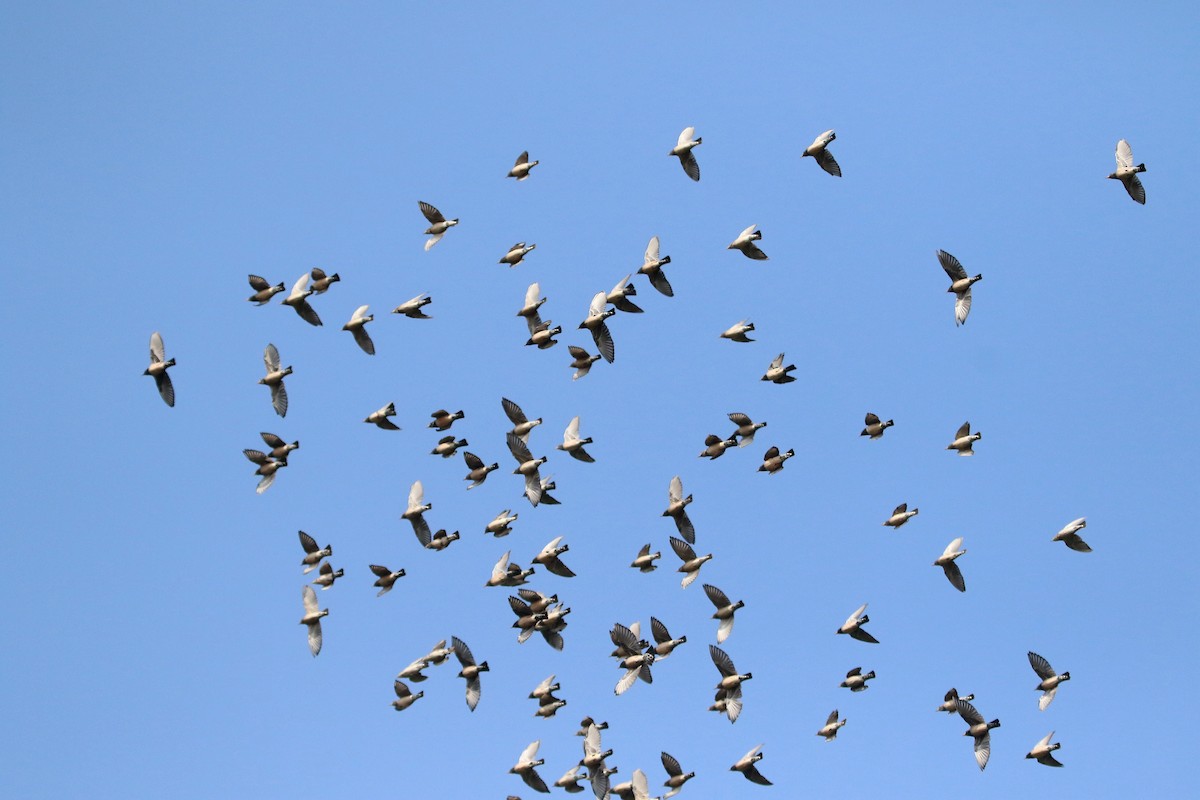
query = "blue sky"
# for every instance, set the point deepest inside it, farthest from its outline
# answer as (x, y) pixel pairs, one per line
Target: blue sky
(154, 155)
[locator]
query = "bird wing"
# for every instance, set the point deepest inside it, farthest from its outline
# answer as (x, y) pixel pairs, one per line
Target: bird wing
(307, 313)
(724, 629)
(279, 399)
(307, 542)
(952, 548)
(259, 283)
(671, 765)
(314, 635)
(964, 430)
(416, 496)
(310, 600)
(1124, 154)
(682, 549)
(983, 750)
(402, 690)
(832, 718)
(157, 353)
(431, 241)
(522, 159)
(627, 680)
(1047, 698)
(824, 139)
(733, 704)
(364, 340)
(863, 636)
(534, 781)
(740, 419)
(473, 461)
(722, 660)
(659, 631)
(530, 752)
(299, 287)
(166, 389)
(571, 434)
(962, 306)
(686, 136)
(659, 281)
(652, 250)
(718, 598)
(359, 313)
(474, 690)
(317, 274)
(954, 575)
(462, 652)
(380, 571)
(952, 266)
(271, 358)
(1133, 185)
(854, 617)
(1075, 542)
(777, 362)
(968, 712)
(431, 213)
(690, 165)
(272, 440)
(518, 448)
(604, 341)
(752, 773)
(675, 490)
(829, 163)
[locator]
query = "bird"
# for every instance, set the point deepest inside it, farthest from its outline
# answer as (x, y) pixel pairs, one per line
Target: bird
(548, 707)
(447, 446)
(627, 640)
(499, 526)
(645, 559)
(715, 446)
(1050, 679)
(573, 445)
(527, 618)
(731, 680)
(385, 578)
(619, 296)
(676, 777)
(441, 540)
(470, 671)
(777, 372)
(853, 626)
(875, 428)
(312, 618)
(950, 703)
(818, 150)
(356, 326)
(652, 268)
(533, 301)
(443, 419)
(595, 324)
(380, 418)
(544, 689)
(773, 460)
(900, 516)
(571, 778)
(312, 552)
(664, 645)
(320, 281)
(960, 285)
(737, 333)
(683, 149)
(478, 470)
(263, 290)
(298, 300)
(327, 576)
(548, 485)
(691, 564)
(158, 369)
(522, 425)
(979, 729)
(541, 333)
(964, 439)
(581, 361)
(1069, 536)
(526, 768)
(274, 379)
(404, 696)
(527, 466)
(515, 253)
(549, 558)
(521, 169)
(856, 681)
(593, 760)
(746, 766)
(508, 574)
(677, 509)
(267, 467)
(831, 726)
(439, 653)
(413, 671)
(946, 562)
(438, 225)
(587, 722)
(279, 448)
(746, 428)
(725, 611)
(412, 308)
(415, 513)
(1043, 749)
(745, 242)
(1126, 172)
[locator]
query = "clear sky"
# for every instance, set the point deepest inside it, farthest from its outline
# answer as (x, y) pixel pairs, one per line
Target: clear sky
(155, 154)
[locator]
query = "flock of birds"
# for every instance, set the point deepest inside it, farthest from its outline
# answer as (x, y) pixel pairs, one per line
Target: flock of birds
(544, 614)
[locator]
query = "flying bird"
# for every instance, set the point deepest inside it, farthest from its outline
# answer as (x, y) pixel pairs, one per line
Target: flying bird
(652, 268)
(977, 728)
(960, 285)
(773, 460)
(619, 296)
(581, 361)
(274, 379)
(1050, 679)
(438, 225)
(415, 513)
(1126, 172)
(856, 681)
(819, 151)
(715, 446)
(595, 324)
(380, 418)
(313, 553)
(478, 470)
(746, 766)
(263, 290)
(664, 645)
(677, 509)
(385, 578)
(676, 777)
(321, 282)
(522, 425)
(1043, 749)
(1069, 536)
(515, 253)
(725, 611)
(572, 444)
(527, 466)
(950, 703)
(830, 729)
(267, 467)
(158, 369)
(853, 626)
(683, 149)
(745, 242)
(946, 562)
(521, 169)
(499, 526)
(777, 372)
(470, 671)
(443, 419)
(298, 300)
(312, 618)
(645, 559)
(691, 564)
(327, 576)
(746, 428)
(900, 516)
(357, 327)
(737, 333)
(549, 558)
(412, 308)
(447, 446)
(964, 440)
(526, 768)
(874, 428)
(404, 695)
(279, 448)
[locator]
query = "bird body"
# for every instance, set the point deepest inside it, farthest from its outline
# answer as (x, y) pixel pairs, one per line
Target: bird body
(158, 369)
(1127, 173)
